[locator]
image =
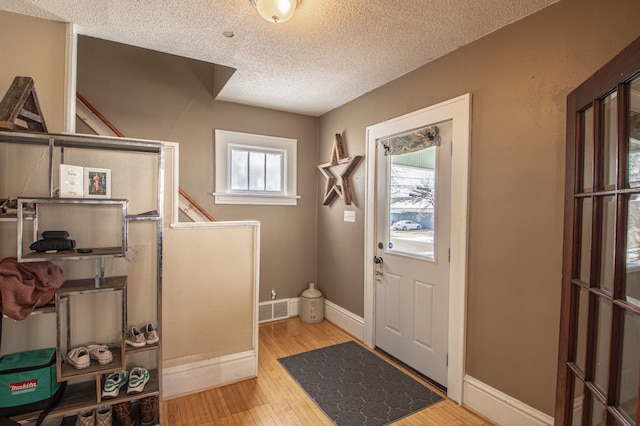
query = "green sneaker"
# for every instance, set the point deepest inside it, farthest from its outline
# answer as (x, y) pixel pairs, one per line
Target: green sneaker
(137, 379)
(114, 382)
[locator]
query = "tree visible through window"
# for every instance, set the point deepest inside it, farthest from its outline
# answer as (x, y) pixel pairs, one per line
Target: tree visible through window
(412, 190)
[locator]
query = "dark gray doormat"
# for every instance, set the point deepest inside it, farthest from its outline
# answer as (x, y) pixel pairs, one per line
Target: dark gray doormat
(354, 386)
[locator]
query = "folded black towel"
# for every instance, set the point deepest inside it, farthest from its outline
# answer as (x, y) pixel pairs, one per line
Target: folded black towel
(53, 244)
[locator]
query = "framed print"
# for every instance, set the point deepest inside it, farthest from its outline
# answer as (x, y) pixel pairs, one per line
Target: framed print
(97, 183)
(71, 181)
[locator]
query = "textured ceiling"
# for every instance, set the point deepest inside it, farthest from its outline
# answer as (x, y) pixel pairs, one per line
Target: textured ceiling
(329, 53)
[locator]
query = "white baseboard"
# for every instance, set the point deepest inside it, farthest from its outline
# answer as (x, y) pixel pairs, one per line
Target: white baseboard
(197, 376)
(349, 322)
(499, 407)
(294, 307)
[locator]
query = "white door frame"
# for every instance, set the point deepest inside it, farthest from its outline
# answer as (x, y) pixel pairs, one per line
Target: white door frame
(458, 110)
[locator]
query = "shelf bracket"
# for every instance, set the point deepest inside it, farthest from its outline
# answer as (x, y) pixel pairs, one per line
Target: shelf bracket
(99, 277)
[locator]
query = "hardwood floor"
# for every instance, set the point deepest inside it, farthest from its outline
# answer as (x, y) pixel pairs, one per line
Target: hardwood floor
(274, 398)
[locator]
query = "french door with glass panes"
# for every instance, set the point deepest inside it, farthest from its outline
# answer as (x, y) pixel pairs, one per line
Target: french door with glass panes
(599, 354)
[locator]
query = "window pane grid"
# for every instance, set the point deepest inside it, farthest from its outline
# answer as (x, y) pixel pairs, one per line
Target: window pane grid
(273, 172)
(253, 169)
(256, 171)
(412, 203)
(586, 149)
(598, 145)
(603, 160)
(239, 170)
(630, 134)
(610, 141)
(582, 330)
(598, 412)
(607, 228)
(584, 218)
(629, 365)
(578, 401)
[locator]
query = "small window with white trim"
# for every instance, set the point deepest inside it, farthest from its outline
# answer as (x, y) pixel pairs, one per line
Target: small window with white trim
(255, 169)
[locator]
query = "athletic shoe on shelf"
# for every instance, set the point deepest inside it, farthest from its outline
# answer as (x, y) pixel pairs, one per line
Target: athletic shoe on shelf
(100, 353)
(78, 358)
(137, 379)
(135, 338)
(150, 334)
(114, 382)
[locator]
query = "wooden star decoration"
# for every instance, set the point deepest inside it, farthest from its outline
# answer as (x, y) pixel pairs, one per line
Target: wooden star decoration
(332, 189)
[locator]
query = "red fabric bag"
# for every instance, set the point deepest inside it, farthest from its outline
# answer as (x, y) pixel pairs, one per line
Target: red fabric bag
(25, 286)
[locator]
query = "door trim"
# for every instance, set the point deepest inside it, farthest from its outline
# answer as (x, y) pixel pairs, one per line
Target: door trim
(459, 110)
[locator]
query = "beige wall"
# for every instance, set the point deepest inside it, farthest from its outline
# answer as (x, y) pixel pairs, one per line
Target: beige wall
(151, 95)
(41, 56)
(519, 78)
(211, 293)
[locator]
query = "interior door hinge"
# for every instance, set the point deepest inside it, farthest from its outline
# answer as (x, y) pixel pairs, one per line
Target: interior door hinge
(447, 359)
(449, 255)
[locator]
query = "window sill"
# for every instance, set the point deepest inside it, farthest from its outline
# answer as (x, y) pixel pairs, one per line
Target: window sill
(265, 200)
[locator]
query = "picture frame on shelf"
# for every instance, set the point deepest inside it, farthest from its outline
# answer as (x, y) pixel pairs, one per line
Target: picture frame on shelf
(97, 182)
(71, 181)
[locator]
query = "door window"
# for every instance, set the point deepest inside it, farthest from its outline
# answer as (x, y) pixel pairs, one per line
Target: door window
(412, 203)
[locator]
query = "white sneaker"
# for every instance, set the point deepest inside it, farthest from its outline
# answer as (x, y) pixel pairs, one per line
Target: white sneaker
(114, 382)
(78, 358)
(136, 338)
(150, 334)
(101, 353)
(137, 379)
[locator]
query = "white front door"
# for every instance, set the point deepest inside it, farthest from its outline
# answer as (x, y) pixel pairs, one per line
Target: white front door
(412, 253)
(456, 111)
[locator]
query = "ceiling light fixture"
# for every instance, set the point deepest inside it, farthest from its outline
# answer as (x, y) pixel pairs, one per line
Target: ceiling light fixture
(276, 11)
